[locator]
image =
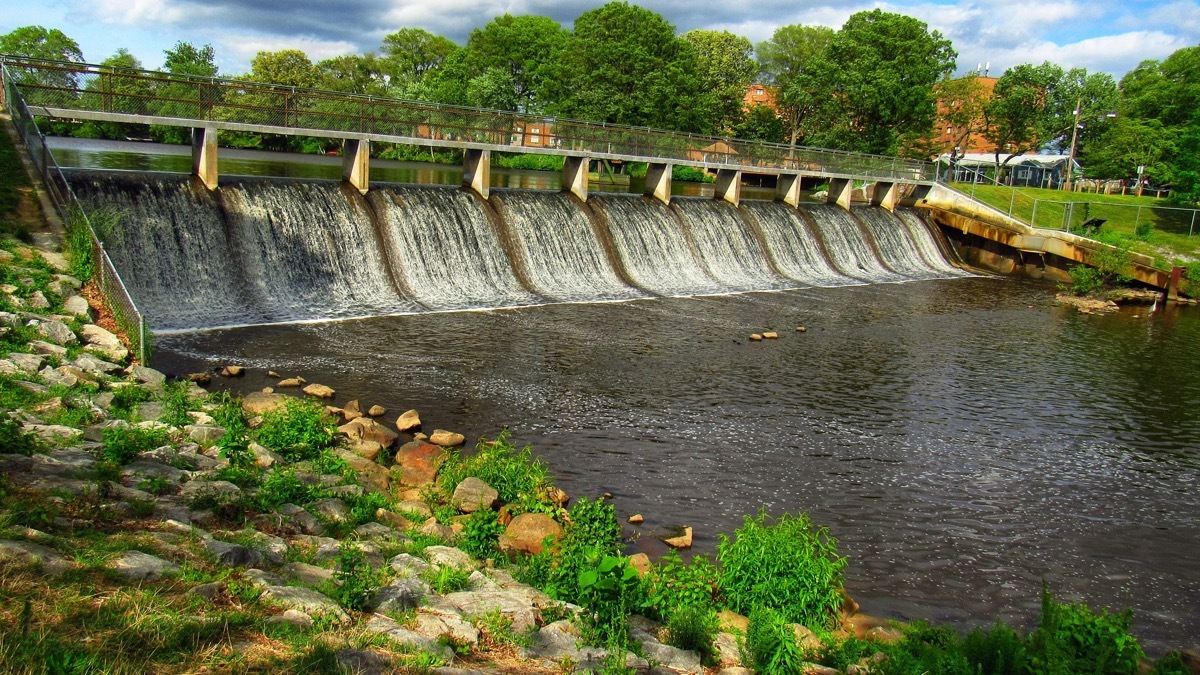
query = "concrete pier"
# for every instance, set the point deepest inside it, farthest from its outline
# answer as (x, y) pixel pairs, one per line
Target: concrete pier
(658, 182)
(729, 186)
(356, 164)
(477, 171)
(204, 156)
(575, 176)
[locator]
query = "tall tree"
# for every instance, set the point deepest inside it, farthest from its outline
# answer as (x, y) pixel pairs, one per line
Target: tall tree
(961, 103)
(782, 60)
(509, 62)
(187, 59)
(726, 67)
(352, 73)
(1015, 117)
(874, 82)
(410, 53)
(1095, 96)
(36, 42)
(1131, 143)
(288, 67)
(624, 64)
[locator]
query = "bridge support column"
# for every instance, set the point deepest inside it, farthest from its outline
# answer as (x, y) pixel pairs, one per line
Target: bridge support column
(918, 194)
(787, 189)
(658, 182)
(204, 156)
(356, 163)
(885, 195)
(575, 176)
(477, 171)
(729, 186)
(840, 191)
(1173, 283)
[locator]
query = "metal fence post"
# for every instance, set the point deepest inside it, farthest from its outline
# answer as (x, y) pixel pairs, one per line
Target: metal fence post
(1033, 218)
(1137, 221)
(1012, 202)
(1192, 227)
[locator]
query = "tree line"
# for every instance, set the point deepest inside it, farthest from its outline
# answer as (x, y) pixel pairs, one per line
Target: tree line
(878, 85)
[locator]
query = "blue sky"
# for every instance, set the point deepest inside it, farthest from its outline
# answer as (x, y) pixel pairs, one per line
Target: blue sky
(1101, 35)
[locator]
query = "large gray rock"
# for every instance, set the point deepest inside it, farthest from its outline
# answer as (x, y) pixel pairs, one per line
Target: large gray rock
(77, 306)
(138, 566)
(402, 594)
(407, 565)
(95, 366)
(55, 331)
(220, 490)
(680, 660)
(448, 556)
(334, 510)
(407, 638)
(554, 641)
(234, 555)
(473, 494)
(363, 662)
(27, 553)
(148, 376)
(27, 363)
(306, 600)
(307, 522)
(43, 347)
(437, 625)
(513, 606)
(204, 434)
(309, 575)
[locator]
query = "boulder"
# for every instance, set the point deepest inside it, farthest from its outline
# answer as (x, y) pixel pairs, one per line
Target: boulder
(264, 457)
(51, 562)
(408, 421)
(363, 662)
(402, 594)
(294, 618)
(259, 403)
(27, 363)
(367, 429)
(234, 555)
(636, 519)
(806, 638)
(138, 566)
(222, 491)
(319, 390)
(679, 660)
(511, 605)
(204, 434)
(309, 575)
(641, 563)
(446, 439)
(448, 556)
(684, 540)
(419, 462)
(770, 335)
(55, 260)
(527, 531)
(366, 449)
(377, 411)
(95, 366)
(755, 337)
(43, 347)
(732, 622)
(371, 475)
(77, 306)
(307, 522)
(472, 495)
(393, 520)
(38, 301)
(148, 376)
(434, 626)
(334, 510)
(408, 565)
(408, 639)
(308, 601)
(56, 331)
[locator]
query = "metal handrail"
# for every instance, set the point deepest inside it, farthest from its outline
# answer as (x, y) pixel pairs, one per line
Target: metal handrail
(63, 198)
(171, 98)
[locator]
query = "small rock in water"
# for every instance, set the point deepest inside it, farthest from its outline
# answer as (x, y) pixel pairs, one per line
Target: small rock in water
(409, 420)
(319, 390)
(271, 373)
(801, 329)
(606, 496)
(290, 382)
(377, 411)
(771, 335)
(755, 337)
(233, 371)
(636, 519)
(420, 437)
(200, 378)
(682, 541)
(268, 390)
(446, 438)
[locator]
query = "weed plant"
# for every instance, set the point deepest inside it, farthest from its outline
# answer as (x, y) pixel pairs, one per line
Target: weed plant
(1073, 639)
(447, 579)
(609, 591)
(673, 585)
(771, 646)
(481, 533)
(14, 440)
(126, 399)
(283, 487)
(354, 581)
(299, 430)
(592, 534)
(123, 444)
(520, 478)
(176, 405)
(788, 564)
(694, 628)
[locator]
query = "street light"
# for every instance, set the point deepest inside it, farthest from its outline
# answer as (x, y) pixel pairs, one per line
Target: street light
(1068, 184)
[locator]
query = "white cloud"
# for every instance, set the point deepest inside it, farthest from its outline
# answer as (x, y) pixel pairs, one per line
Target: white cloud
(138, 12)
(238, 48)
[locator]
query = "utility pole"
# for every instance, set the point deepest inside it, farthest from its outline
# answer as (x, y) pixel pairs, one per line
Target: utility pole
(1068, 185)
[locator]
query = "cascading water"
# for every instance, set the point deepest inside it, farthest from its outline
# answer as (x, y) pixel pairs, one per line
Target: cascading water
(796, 250)
(847, 245)
(923, 238)
(443, 246)
(726, 247)
(280, 250)
(555, 242)
(895, 246)
(653, 247)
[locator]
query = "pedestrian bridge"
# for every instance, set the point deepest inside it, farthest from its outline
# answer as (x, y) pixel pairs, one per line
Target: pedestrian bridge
(208, 106)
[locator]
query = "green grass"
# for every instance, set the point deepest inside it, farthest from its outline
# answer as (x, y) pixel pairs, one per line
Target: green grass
(12, 181)
(1166, 238)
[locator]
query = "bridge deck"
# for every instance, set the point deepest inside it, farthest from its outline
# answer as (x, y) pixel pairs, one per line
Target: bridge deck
(88, 92)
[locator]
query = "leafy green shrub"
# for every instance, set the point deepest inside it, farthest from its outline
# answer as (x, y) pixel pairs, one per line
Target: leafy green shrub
(592, 534)
(481, 533)
(535, 570)
(608, 593)
(126, 399)
(787, 564)
(122, 444)
(355, 580)
(242, 469)
(176, 404)
(528, 161)
(1085, 280)
(1074, 639)
(282, 487)
(1171, 664)
(673, 585)
(771, 647)
(996, 651)
(694, 628)
(14, 440)
(447, 579)
(928, 649)
(518, 476)
(298, 431)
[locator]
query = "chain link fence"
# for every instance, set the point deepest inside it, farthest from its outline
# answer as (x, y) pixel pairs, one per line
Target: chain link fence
(75, 218)
(171, 99)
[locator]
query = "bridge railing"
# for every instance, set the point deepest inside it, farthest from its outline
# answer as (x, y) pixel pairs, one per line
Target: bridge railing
(116, 295)
(177, 99)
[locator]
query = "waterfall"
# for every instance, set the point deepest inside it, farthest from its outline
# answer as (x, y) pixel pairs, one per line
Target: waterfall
(653, 247)
(556, 244)
(848, 248)
(445, 249)
(269, 250)
(726, 246)
(795, 248)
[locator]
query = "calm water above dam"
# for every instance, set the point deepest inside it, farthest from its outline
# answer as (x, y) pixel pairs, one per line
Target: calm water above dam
(962, 438)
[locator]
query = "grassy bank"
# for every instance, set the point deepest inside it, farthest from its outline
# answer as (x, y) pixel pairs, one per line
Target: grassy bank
(15, 191)
(1158, 229)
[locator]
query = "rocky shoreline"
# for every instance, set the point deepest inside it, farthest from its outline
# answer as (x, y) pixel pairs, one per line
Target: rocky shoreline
(117, 482)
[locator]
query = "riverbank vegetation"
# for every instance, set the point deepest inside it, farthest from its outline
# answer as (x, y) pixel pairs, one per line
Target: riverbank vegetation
(148, 525)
